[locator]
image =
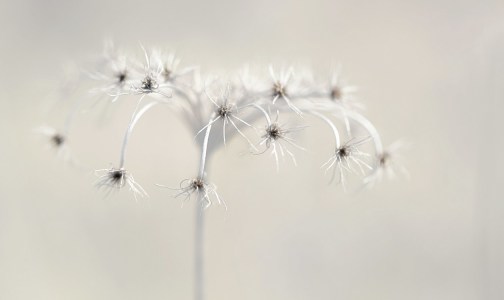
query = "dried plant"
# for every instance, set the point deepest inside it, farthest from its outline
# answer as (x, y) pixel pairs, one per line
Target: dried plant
(226, 109)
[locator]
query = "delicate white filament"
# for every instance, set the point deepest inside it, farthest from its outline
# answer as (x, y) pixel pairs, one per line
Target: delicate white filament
(331, 124)
(201, 172)
(369, 127)
(136, 116)
(266, 115)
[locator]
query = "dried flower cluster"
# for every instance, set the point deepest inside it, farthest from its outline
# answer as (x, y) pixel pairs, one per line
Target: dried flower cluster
(217, 111)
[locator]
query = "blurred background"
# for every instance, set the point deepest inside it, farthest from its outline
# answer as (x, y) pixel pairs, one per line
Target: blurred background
(430, 72)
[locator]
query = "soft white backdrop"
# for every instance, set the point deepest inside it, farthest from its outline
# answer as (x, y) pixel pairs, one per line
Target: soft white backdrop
(431, 72)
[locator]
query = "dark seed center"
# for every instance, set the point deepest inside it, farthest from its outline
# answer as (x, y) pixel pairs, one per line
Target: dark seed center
(121, 77)
(117, 175)
(279, 90)
(224, 111)
(198, 184)
(384, 159)
(148, 83)
(274, 132)
(336, 93)
(167, 74)
(58, 139)
(343, 152)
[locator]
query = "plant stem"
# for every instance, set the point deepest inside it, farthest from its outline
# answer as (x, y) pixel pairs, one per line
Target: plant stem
(199, 278)
(134, 119)
(199, 282)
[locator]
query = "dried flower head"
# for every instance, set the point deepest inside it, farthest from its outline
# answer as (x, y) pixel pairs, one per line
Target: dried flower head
(114, 78)
(169, 65)
(280, 88)
(58, 140)
(150, 84)
(55, 140)
(276, 136)
(227, 112)
(148, 79)
(387, 165)
(115, 179)
(348, 158)
(342, 93)
(203, 190)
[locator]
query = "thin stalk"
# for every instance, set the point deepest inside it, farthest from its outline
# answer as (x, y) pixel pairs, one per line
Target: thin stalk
(370, 129)
(134, 119)
(258, 107)
(331, 124)
(199, 278)
(201, 172)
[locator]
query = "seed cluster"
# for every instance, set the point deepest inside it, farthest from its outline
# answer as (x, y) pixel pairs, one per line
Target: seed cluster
(245, 101)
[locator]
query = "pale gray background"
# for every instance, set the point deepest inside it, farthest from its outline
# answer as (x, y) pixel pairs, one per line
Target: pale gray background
(431, 72)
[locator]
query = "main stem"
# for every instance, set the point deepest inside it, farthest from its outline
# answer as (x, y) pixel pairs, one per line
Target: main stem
(199, 278)
(199, 282)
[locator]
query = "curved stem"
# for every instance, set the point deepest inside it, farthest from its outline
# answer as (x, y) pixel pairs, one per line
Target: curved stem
(134, 119)
(369, 127)
(201, 172)
(262, 110)
(331, 124)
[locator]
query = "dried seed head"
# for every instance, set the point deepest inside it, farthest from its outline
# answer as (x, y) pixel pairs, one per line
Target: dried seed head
(116, 179)
(350, 150)
(384, 159)
(344, 151)
(167, 74)
(149, 83)
(388, 165)
(348, 158)
(112, 76)
(57, 139)
(227, 113)
(117, 175)
(336, 93)
(224, 110)
(274, 132)
(279, 90)
(197, 184)
(121, 77)
(276, 138)
(203, 189)
(167, 66)
(339, 91)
